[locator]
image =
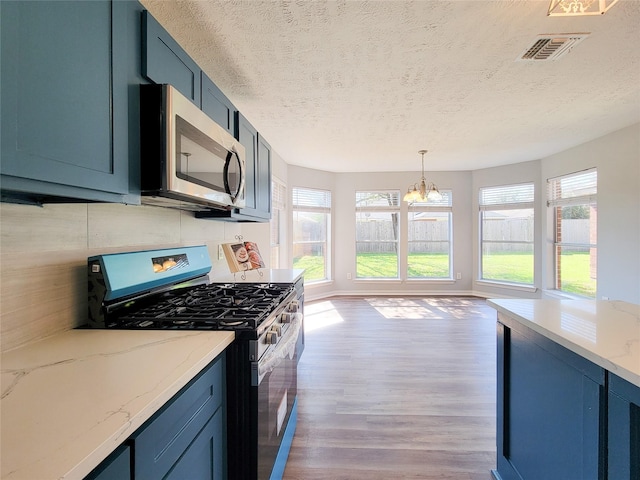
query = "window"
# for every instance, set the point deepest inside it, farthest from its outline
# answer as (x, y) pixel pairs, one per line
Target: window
(377, 234)
(278, 208)
(506, 233)
(429, 238)
(311, 232)
(575, 216)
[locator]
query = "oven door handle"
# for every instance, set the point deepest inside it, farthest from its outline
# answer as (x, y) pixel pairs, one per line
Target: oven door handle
(286, 347)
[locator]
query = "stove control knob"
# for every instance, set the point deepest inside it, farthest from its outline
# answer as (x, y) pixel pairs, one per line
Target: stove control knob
(271, 338)
(277, 329)
(293, 306)
(286, 317)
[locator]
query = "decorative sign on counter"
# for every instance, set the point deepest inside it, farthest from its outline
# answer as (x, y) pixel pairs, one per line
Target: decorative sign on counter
(242, 256)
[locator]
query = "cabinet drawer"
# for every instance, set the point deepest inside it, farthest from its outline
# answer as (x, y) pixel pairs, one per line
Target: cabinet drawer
(166, 436)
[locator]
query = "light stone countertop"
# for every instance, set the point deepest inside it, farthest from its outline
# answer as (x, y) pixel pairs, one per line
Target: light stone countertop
(69, 400)
(605, 332)
(277, 275)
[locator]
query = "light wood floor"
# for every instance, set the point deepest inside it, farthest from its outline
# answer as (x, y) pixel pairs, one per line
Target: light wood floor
(396, 388)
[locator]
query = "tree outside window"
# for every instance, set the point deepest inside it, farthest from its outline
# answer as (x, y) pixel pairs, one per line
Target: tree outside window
(377, 234)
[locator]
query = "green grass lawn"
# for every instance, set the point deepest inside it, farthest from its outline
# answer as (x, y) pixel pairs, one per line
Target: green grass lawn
(507, 267)
(313, 267)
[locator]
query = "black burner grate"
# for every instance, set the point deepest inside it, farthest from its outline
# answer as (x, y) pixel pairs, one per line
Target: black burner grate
(212, 307)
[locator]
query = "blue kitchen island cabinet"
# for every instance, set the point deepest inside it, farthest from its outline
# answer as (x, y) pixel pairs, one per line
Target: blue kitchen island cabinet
(549, 403)
(624, 429)
(568, 396)
(66, 118)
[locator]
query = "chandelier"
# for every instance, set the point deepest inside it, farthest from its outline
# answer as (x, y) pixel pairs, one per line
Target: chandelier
(421, 191)
(558, 8)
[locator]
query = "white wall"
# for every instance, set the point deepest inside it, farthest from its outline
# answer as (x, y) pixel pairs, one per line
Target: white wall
(617, 158)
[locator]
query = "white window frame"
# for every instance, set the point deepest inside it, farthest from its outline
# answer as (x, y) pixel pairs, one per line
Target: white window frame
(373, 210)
(574, 189)
(277, 226)
(445, 205)
(314, 201)
(520, 196)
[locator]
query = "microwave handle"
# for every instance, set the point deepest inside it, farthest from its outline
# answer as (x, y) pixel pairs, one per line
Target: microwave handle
(234, 195)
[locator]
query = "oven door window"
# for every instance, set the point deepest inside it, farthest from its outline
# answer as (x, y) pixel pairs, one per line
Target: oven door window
(201, 160)
(276, 394)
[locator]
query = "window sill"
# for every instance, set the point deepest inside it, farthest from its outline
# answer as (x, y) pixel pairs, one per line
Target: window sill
(510, 286)
(560, 295)
(318, 283)
(443, 281)
(431, 281)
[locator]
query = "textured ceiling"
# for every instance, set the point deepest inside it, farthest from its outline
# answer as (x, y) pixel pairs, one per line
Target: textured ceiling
(357, 86)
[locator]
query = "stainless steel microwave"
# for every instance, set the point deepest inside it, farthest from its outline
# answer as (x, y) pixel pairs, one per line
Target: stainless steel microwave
(187, 160)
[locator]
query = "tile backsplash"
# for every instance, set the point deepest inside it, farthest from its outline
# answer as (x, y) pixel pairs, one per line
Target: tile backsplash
(44, 250)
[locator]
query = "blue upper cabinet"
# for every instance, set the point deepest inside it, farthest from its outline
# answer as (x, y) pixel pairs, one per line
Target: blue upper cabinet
(66, 68)
(257, 178)
(263, 174)
(217, 105)
(164, 61)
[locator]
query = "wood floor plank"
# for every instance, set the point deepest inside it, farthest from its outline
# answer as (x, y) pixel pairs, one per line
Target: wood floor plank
(396, 388)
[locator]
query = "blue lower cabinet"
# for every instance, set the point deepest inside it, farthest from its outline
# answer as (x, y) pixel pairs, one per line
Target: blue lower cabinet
(188, 434)
(116, 467)
(624, 430)
(205, 457)
(550, 410)
(185, 439)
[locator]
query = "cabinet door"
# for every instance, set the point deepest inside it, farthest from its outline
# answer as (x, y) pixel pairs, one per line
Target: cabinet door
(263, 183)
(258, 166)
(550, 410)
(204, 459)
(116, 467)
(217, 105)
(248, 137)
(59, 105)
(165, 438)
(624, 429)
(164, 61)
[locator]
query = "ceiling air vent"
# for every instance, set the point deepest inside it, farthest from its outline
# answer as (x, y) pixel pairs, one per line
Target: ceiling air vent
(551, 47)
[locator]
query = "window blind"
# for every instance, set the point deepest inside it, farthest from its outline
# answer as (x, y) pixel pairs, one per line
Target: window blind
(278, 195)
(575, 188)
(507, 197)
(378, 200)
(310, 199)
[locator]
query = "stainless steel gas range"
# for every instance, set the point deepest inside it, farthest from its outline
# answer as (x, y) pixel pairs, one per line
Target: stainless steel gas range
(170, 289)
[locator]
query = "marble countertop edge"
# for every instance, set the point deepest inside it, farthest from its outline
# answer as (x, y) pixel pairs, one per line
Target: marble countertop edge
(70, 400)
(615, 345)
